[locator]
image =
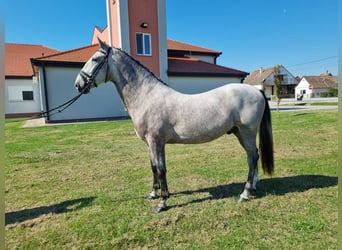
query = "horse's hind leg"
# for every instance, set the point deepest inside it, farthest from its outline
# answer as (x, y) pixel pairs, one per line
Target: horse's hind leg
(247, 139)
(256, 177)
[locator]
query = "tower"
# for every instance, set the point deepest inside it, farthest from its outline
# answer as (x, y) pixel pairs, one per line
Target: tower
(139, 28)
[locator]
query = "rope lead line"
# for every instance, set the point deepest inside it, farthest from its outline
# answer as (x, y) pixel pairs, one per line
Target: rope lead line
(58, 109)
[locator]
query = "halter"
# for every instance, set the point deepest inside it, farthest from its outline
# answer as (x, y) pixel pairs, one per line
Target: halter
(89, 79)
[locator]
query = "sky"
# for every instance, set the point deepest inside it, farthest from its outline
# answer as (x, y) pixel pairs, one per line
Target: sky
(301, 35)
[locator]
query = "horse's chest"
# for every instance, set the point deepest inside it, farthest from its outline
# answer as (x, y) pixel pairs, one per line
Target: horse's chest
(139, 134)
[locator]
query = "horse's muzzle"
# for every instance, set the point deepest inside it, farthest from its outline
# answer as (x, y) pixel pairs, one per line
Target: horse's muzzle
(84, 90)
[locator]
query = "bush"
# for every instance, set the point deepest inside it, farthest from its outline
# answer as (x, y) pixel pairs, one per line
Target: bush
(331, 93)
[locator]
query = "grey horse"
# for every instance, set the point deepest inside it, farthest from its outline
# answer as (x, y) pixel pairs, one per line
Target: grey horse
(162, 115)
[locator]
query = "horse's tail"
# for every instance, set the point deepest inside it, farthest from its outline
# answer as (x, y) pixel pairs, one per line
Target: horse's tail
(266, 140)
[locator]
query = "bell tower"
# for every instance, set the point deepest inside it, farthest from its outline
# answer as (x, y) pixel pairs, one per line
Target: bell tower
(139, 28)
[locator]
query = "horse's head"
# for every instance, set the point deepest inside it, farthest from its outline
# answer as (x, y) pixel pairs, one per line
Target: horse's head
(95, 71)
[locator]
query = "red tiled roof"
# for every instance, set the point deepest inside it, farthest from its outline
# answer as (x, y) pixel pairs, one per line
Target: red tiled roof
(17, 58)
(176, 65)
(193, 66)
(180, 46)
(84, 53)
(76, 55)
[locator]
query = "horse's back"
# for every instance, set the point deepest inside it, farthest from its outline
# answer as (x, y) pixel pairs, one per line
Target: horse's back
(206, 116)
(248, 102)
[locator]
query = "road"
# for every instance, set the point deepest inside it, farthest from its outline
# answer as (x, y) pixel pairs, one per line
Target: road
(294, 105)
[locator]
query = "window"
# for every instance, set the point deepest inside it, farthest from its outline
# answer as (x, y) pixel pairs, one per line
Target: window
(27, 95)
(143, 41)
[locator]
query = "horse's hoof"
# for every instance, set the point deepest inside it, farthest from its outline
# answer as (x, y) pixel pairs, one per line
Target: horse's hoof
(161, 206)
(242, 199)
(159, 209)
(151, 197)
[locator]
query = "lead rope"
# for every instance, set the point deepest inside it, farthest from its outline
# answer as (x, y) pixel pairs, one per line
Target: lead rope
(88, 79)
(59, 109)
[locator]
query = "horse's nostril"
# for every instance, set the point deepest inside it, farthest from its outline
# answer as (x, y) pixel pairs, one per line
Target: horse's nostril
(77, 86)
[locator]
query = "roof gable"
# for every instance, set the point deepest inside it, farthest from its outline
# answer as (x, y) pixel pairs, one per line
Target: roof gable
(17, 58)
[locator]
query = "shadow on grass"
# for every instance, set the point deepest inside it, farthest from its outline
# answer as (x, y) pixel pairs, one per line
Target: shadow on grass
(275, 186)
(32, 213)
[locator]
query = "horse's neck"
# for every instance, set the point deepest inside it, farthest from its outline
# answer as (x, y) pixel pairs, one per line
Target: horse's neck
(132, 81)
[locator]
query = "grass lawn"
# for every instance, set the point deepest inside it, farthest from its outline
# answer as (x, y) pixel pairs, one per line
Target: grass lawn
(82, 186)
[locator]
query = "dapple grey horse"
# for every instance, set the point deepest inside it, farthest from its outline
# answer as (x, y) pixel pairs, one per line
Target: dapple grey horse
(162, 115)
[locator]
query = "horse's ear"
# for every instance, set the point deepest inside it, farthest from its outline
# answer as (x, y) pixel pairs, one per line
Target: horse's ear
(102, 44)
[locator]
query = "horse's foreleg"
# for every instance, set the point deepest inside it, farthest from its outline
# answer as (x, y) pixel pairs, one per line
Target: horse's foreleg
(157, 156)
(156, 183)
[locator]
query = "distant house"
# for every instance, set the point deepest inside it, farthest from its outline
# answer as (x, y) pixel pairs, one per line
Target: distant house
(264, 79)
(317, 86)
(22, 95)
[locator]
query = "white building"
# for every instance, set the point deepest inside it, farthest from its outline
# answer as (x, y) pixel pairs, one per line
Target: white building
(22, 91)
(316, 86)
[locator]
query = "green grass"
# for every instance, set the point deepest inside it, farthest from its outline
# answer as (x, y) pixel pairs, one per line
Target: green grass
(82, 186)
(324, 103)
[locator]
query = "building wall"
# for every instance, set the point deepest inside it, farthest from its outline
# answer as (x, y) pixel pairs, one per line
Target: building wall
(101, 102)
(139, 12)
(119, 24)
(194, 85)
(126, 17)
(14, 103)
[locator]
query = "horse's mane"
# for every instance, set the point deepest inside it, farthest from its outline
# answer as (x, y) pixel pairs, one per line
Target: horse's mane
(143, 66)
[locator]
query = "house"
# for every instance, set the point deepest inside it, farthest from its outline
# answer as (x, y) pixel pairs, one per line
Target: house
(264, 79)
(323, 85)
(140, 30)
(22, 95)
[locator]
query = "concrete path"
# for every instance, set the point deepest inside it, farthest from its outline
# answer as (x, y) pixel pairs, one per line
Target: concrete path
(38, 122)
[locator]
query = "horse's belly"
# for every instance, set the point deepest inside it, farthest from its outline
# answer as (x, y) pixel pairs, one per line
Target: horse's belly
(197, 133)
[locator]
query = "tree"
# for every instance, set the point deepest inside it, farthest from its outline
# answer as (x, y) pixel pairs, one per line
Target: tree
(277, 79)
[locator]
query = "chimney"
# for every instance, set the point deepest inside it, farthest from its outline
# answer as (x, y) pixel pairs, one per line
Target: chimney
(260, 70)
